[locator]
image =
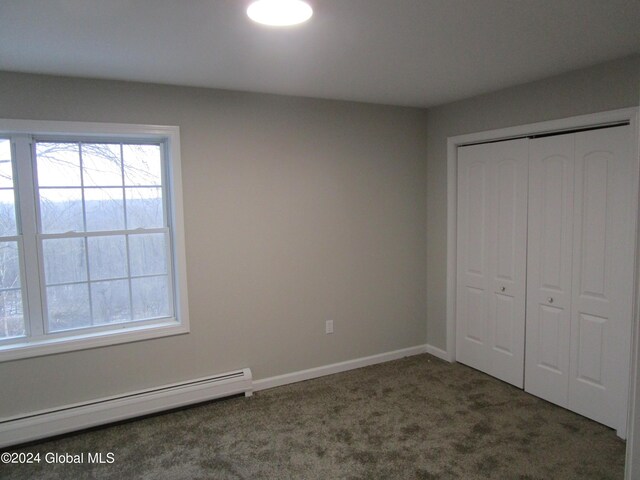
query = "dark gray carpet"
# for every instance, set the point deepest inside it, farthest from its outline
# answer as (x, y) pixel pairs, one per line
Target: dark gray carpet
(415, 418)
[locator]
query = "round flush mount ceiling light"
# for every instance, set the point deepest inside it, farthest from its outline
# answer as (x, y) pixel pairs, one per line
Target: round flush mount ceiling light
(279, 13)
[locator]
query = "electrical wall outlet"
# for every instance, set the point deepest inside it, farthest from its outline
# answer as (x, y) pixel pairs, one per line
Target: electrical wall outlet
(328, 326)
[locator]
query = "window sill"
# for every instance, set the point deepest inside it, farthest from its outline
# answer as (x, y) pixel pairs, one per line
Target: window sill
(49, 346)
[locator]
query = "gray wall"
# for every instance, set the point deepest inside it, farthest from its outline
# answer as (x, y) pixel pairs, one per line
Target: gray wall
(296, 211)
(604, 87)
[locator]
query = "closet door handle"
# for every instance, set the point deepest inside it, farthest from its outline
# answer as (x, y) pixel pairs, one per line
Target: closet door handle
(502, 289)
(550, 299)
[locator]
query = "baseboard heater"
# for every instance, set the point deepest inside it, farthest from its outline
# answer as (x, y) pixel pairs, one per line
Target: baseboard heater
(69, 418)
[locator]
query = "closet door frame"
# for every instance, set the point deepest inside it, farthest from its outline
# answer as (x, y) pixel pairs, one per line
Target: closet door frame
(608, 118)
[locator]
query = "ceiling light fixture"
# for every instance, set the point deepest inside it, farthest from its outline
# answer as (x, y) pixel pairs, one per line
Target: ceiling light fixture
(279, 13)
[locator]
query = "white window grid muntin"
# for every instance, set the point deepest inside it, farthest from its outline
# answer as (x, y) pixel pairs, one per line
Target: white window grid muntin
(164, 188)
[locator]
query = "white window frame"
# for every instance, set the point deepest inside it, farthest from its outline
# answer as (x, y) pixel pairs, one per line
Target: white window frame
(38, 342)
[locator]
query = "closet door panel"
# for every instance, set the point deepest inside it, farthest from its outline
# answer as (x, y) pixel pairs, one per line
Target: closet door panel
(551, 177)
(603, 274)
(474, 179)
(492, 200)
(507, 256)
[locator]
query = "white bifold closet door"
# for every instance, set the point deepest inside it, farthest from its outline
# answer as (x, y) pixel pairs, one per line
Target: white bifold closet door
(550, 256)
(582, 198)
(492, 238)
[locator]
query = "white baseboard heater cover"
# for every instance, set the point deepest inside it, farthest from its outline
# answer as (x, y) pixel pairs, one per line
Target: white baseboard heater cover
(69, 418)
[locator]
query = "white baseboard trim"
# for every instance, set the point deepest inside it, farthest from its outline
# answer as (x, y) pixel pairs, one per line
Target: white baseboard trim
(69, 418)
(438, 352)
(310, 373)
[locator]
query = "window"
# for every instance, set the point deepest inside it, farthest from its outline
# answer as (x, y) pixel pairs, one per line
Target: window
(11, 307)
(91, 236)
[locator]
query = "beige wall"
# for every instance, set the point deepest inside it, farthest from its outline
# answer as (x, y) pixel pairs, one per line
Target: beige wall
(296, 211)
(604, 87)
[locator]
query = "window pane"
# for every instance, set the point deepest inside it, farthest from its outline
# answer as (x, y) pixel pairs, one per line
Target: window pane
(6, 171)
(61, 210)
(107, 257)
(148, 254)
(68, 306)
(110, 301)
(101, 164)
(144, 208)
(58, 164)
(7, 213)
(11, 309)
(150, 297)
(9, 265)
(64, 260)
(11, 316)
(142, 165)
(104, 209)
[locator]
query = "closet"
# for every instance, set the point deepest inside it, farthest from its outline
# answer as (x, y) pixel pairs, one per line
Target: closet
(545, 266)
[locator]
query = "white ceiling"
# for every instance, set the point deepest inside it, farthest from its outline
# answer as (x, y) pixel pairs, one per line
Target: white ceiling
(404, 52)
